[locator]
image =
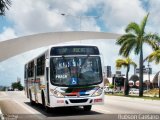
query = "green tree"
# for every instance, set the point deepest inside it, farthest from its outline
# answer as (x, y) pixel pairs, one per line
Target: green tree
(154, 56)
(126, 64)
(17, 85)
(4, 4)
(134, 39)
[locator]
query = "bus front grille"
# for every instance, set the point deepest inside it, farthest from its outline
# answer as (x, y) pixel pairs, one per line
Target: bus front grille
(78, 100)
(76, 95)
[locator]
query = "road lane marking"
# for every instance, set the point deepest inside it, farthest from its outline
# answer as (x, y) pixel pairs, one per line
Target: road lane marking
(24, 107)
(31, 111)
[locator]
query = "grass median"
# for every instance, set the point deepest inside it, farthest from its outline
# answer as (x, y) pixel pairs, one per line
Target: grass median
(146, 96)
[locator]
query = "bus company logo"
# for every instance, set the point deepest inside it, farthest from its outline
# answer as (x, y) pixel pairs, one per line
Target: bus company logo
(78, 95)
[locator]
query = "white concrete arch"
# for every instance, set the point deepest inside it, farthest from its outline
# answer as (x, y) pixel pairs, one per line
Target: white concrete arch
(13, 47)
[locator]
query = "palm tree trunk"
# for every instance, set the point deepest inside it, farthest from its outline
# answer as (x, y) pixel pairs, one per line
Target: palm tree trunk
(126, 92)
(141, 74)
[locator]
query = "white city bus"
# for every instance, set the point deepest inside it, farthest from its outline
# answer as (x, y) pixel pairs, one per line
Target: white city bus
(65, 76)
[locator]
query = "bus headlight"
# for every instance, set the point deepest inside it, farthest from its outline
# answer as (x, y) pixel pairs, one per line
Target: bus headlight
(97, 92)
(56, 93)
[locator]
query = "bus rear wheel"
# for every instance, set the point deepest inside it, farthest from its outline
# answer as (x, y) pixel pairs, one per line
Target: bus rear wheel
(87, 107)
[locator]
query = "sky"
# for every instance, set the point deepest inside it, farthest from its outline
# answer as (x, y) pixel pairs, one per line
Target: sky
(28, 17)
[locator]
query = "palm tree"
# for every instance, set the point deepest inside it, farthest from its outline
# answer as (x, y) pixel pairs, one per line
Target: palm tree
(134, 39)
(126, 64)
(4, 4)
(154, 56)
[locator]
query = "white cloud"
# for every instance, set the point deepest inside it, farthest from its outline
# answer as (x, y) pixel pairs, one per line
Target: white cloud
(118, 13)
(8, 33)
(32, 16)
(154, 16)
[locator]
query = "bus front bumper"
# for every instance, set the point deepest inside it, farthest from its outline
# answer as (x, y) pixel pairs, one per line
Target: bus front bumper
(75, 101)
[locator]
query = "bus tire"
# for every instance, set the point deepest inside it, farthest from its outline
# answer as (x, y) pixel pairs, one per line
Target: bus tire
(30, 97)
(87, 107)
(47, 109)
(43, 100)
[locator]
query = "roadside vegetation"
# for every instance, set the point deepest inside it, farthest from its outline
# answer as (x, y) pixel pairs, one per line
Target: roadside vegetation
(17, 86)
(133, 40)
(126, 63)
(148, 95)
(152, 93)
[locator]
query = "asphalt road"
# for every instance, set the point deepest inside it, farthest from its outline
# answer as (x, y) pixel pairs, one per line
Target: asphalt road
(15, 105)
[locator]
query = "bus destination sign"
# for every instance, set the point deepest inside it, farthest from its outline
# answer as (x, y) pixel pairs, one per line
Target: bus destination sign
(74, 50)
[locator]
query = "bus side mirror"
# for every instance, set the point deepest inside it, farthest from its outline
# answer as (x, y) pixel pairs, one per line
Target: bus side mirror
(47, 62)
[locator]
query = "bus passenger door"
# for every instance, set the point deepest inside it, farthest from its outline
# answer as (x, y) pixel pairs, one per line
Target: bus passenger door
(47, 81)
(35, 83)
(26, 82)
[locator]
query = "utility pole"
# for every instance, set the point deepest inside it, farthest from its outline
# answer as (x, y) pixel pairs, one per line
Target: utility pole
(159, 83)
(148, 76)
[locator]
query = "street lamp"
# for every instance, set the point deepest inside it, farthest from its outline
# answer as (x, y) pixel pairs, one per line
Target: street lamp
(149, 72)
(80, 18)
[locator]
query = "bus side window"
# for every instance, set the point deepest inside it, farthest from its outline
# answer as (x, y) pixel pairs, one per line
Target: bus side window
(40, 65)
(31, 69)
(25, 71)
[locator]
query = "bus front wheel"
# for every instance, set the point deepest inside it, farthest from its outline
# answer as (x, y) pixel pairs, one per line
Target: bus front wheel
(47, 109)
(87, 107)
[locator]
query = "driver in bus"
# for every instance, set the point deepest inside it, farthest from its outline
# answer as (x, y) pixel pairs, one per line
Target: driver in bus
(87, 67)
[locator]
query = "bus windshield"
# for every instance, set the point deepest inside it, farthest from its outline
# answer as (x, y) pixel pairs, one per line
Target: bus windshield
(75, 71)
